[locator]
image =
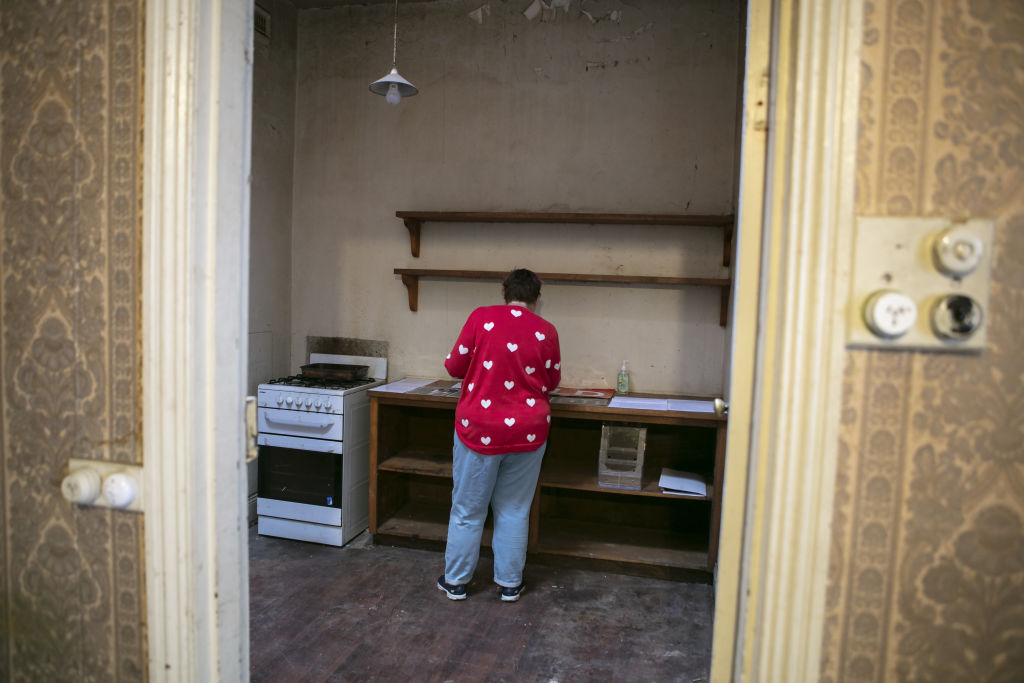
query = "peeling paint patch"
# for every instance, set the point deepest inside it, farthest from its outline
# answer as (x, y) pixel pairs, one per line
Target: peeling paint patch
(547, 11)
(478, 14)
(636, 33)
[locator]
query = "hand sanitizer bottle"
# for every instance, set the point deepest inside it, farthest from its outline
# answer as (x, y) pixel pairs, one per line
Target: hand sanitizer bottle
(622, 383)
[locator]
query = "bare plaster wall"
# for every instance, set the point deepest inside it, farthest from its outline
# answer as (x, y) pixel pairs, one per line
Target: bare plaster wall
(633, 112)
(273, 148)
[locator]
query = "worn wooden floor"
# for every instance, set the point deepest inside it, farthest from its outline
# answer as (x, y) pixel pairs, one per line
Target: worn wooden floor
(373, 613)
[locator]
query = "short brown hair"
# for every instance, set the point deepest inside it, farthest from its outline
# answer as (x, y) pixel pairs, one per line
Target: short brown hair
(521, 285)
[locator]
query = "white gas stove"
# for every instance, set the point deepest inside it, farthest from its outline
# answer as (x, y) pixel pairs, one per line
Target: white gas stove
(314, 440)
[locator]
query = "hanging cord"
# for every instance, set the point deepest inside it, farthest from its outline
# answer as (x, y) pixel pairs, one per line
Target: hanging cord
(394, 51)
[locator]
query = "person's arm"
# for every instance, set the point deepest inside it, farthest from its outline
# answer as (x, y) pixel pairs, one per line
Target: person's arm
(555, 371)
(457, 362)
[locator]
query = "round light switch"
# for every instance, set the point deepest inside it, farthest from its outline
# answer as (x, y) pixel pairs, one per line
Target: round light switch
(958, 251)
(890, 314)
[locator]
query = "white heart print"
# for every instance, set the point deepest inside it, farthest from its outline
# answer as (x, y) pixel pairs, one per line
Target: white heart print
(509, 384)
(549, 419)
(511, 346)
(465, 423)
(470, 387)
(531, 401)
(510, 421)
(539, 335)
(488, 364)
(547, 363)
(448, 357)
(531, 437)
(516, 312)
(557, 365)
(486, 403)
(485, 440)
(488, 326)
(544, 389)
(529, 370)
(463, 350)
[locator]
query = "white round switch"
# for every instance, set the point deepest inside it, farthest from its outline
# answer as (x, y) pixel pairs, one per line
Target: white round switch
(120, 489)
(890, 314)
(81, 486)
(958, 251)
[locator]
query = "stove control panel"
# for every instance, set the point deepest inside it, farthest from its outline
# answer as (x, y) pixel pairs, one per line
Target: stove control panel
(297, 399)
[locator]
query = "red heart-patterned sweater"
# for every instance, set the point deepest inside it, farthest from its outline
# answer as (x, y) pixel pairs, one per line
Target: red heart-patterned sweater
(508, 359)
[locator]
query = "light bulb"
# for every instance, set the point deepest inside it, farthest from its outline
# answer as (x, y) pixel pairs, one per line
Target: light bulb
(393, 96)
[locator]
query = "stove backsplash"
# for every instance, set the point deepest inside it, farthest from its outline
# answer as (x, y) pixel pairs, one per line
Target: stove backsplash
(346, 346)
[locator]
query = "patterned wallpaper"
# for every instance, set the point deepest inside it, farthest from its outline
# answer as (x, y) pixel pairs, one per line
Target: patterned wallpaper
(927, 574)
(71, 579)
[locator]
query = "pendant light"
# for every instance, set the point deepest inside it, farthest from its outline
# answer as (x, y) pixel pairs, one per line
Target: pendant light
(393, 87)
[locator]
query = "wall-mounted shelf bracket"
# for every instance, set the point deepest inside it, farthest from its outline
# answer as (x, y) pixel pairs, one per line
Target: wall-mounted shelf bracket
(413, 225)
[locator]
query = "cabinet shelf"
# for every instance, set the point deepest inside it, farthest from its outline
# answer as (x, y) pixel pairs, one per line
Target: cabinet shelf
(427, 463)
(627, 544)
(571, 516)
(568, 476)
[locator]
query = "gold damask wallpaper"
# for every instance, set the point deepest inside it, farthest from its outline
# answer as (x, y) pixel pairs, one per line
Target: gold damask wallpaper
(927, 574)
(71, 579)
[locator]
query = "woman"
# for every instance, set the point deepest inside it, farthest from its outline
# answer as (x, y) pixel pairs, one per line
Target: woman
(508, 359)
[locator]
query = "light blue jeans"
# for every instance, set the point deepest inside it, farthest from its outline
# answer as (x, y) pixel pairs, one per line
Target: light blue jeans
(506, 482)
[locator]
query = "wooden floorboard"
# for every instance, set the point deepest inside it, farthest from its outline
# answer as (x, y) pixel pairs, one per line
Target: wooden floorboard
(372, 613)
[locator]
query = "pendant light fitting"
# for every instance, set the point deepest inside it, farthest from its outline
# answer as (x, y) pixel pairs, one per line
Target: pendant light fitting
(393, 86)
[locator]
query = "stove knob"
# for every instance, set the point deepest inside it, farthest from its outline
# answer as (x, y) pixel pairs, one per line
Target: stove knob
(280, 399)
(319, 404)
(309, 402)
(288, 400)
(328, 405)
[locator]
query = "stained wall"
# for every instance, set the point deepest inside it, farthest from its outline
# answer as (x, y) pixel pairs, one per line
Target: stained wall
(629, 107)
(71, 579)
(927, 573)
(270, 215)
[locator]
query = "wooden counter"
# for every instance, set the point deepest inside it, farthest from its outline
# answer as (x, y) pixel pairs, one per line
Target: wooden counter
(572, 516)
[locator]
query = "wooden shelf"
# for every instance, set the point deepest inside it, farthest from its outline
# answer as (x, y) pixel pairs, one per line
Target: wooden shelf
(414, 221)
(622, 544)
(567, 475)
(427, 463)
(411, 280)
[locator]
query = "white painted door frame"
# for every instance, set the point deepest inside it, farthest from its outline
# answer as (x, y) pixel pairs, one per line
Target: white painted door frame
(791, 280)
(197, 114)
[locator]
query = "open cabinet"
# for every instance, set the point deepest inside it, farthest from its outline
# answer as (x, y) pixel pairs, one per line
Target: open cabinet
(572, 515)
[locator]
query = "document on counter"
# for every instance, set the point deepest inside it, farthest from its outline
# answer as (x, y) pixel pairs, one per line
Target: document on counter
(682, 483)
(679, 405)
(404, 386)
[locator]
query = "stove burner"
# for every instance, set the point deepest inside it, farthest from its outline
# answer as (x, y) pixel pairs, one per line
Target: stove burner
(320, 383)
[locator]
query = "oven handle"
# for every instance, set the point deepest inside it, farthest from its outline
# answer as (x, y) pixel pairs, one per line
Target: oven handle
(299, 423)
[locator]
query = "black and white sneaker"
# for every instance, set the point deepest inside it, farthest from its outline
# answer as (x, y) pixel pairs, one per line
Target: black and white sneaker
(511, 594)
(453, 592)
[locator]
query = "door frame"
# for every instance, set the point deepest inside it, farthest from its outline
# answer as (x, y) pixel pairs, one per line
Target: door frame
(195, 262)
(795, 214)
(795, 227)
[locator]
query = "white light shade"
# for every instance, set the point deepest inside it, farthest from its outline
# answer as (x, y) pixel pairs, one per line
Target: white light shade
(405, 88)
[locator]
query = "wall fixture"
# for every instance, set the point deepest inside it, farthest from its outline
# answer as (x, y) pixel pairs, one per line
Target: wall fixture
(393, 87)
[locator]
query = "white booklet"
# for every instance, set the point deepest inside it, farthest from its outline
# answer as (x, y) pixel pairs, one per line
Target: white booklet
(682, 483)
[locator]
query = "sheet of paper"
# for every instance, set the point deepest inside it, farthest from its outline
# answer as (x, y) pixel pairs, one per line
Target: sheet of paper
(406, 385)
(676, 481)
(678, 405)
(690, 406)
(638, 403)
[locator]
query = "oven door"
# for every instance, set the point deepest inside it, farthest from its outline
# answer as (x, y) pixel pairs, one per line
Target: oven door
(297, 475)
